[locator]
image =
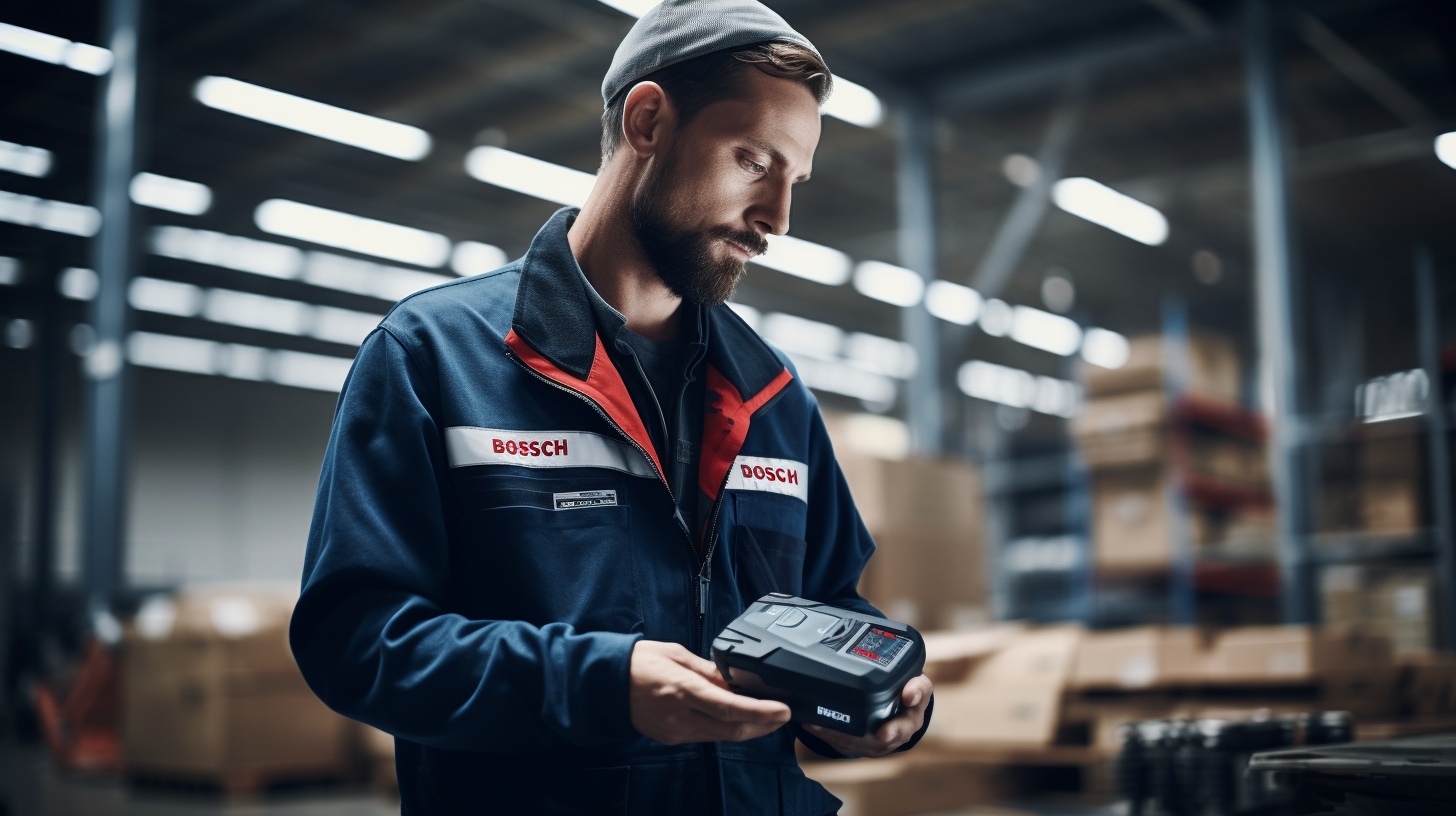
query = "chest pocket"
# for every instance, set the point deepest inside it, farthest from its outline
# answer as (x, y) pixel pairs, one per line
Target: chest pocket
(769, 547)
(546, 550)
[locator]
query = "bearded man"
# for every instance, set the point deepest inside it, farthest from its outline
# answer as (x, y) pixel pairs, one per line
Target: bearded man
(540, 503)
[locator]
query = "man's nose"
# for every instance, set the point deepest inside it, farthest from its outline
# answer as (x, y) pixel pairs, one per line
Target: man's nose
(771, 214)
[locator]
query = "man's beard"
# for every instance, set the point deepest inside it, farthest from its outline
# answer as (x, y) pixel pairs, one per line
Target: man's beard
(684, 258)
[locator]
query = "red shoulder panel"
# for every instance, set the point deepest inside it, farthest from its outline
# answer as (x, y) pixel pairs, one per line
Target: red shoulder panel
(725, 426)
(603, 386)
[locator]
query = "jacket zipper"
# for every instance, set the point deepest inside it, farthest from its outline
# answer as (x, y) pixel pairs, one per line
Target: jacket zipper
(700, 588)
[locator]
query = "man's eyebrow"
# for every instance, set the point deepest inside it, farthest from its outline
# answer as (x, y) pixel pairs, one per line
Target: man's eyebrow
(775, 155)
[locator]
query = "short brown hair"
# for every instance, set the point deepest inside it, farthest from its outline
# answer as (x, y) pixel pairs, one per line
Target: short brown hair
(695, 84)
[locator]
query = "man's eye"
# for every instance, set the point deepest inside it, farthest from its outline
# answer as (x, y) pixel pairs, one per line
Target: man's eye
(754, 167)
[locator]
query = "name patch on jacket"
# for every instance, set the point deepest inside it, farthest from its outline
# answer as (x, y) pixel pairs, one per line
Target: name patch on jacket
(467, 446)
(770, 475)
(584, 498)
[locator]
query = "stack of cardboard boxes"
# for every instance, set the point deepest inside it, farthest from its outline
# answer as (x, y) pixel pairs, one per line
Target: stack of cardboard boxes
(211, 694)
(1395, 602)
(1373, 484)
(1148, 451)
(925, 516)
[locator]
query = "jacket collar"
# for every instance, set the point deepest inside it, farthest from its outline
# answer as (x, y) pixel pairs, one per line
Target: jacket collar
(554, 315)
(553, 308)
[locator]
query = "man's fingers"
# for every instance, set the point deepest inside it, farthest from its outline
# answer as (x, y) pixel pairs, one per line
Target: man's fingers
(706, 669)
(711, 729)
(734, 708)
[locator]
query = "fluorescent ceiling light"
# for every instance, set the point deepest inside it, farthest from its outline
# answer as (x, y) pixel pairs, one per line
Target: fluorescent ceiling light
(838, 377)
(996, 318)
(952, 302)
(1446, 148)
(352, 232)
(1108, 349)
(258, 311)
(252, 311)
(1046, 331)
(27, 161)
(314, 118)
(78, 283)
(228, 251)
(55, 50)
(1018, 389)
(854, 103)
(799, 335)
(474, 258)
(524, 174)
(164, 296)
(806, 259)
(892, 284)
(1103, 205)
(636, 8)
(295, 368)
(1393, 396)
(175, 195)
(282, 261)
(56, 216)
(366, 277)
(880, 355)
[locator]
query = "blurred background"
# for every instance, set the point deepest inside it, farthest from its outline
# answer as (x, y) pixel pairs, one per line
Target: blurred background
(1133, 321)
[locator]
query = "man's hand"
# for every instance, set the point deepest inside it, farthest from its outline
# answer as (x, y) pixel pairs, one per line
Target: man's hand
(677, 697)
(892, 733)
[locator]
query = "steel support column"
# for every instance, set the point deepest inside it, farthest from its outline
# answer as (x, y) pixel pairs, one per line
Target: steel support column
(1440, 446)
(112, 256)
(1276, 301)
(917, 248)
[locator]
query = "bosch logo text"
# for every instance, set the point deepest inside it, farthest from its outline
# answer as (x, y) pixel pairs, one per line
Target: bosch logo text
(550, 447)
(771, 474)
(833, 715)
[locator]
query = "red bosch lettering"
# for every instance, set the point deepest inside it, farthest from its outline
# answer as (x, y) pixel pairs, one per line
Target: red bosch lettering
(560, 447)
(498, 445)
(510, 446)
(535, 448)
(758, 471)
(781, 475)
(793, 477)
(747, 471)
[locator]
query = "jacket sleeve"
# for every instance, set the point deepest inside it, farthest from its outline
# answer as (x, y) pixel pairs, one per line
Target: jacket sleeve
(371, 631)
(838, 549)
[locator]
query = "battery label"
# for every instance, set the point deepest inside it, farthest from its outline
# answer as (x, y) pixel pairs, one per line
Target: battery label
(878, 646)
(585, 498)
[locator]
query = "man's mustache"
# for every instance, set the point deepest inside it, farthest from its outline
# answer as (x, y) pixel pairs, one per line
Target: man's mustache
(752, 241)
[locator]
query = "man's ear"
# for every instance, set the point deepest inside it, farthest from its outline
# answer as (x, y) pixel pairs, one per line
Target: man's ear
(648, 117)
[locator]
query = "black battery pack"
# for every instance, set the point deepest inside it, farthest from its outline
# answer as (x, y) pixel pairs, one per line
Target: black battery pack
(833, 667)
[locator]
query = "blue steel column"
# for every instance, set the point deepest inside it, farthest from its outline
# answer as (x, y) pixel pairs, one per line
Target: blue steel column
(1440, 446)
(112, 253)
(1276, 302)
(917, 245)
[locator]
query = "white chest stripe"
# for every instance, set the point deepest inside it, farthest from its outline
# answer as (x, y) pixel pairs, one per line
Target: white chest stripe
(770, 475)
(542, 449)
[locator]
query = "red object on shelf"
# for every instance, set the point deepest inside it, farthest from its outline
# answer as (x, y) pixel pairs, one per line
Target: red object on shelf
(1230, 419)
(1217, 494)
(1241, 579)
(83, 733)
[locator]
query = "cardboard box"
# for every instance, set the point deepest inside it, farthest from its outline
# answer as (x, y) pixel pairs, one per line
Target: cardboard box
(1123, 430)
(1131, 523)
(1428, 685)
(950, 657)
(210, 690)
(929, 580)
(904, 785)
(1390, 505)
(1395, 603)
(1140, 658)
(937, 496)
(1292, 654)
(1213, 368)
(1013, 697)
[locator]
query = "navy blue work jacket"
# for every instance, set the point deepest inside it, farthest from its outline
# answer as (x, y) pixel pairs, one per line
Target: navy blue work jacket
(493, 533)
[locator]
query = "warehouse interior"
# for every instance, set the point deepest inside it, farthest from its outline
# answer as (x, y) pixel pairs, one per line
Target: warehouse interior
(1132, 321)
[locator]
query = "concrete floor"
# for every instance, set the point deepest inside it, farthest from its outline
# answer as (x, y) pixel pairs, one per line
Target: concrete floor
(31, 786)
